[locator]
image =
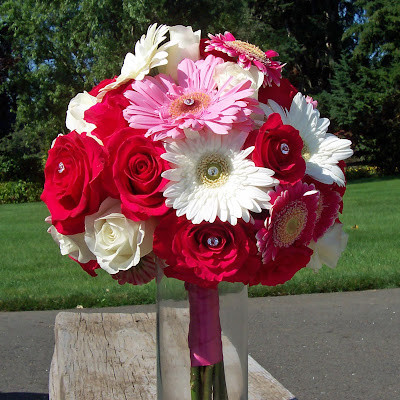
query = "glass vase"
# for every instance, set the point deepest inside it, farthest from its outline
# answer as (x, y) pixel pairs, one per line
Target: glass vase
(201, 341)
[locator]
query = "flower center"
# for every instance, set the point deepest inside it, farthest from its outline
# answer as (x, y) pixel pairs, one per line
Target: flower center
(189, 103)
(290, 224)
(61, 167)
(250, 50)
(285, 148)
(320, 206)
(213, 241)
(213, 170)
(305, 152)
(109, 234)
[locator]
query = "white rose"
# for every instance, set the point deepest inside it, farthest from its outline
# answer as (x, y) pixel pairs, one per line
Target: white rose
(185, 44)
(76, 112)
(329, 248)
(72, 245)
(117, 242)
(237, 74)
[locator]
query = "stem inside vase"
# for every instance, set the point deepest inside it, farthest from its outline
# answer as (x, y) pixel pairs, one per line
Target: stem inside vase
(205, 343)
(224, 375)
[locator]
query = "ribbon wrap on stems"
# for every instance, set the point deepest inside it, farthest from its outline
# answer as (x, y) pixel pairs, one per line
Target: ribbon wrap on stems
(204, 337)
(207, 375)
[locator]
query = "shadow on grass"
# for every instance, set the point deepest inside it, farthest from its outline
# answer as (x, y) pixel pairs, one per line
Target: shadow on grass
(24, 396)
(373, 179)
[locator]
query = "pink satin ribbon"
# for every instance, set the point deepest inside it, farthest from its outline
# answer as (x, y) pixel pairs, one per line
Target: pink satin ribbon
(205, 328)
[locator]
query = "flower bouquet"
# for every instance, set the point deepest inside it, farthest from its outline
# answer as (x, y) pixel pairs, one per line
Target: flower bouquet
(201, 158)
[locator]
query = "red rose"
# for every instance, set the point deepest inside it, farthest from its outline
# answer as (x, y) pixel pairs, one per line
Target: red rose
(72, 186)
(216, 53)
(206, 254)
(107, 115)
(136, 168)
(88, 267)
(282, 94)
(95, 91)
(278, 147)
(341, 189)
(283, 268)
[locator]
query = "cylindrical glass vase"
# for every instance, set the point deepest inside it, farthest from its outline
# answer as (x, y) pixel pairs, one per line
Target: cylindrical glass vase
(201, 341)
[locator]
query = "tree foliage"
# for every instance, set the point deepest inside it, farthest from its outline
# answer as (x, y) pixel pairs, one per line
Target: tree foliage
(55, 49)
(365, 95)
(347, 50)
(308, 34)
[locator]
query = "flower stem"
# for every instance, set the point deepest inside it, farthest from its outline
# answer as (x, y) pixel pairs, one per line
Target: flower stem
(220, 390)
(208, 382)
(195, 388)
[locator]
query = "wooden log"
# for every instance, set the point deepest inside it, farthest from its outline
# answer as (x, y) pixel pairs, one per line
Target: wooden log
(113, 357)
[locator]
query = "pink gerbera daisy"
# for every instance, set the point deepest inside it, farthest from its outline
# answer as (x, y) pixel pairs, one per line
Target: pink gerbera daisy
(291, 222)
(248, 54)
(166, 109)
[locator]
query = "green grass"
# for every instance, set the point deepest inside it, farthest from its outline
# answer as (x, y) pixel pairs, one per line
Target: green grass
(371, 217)
(33, 275)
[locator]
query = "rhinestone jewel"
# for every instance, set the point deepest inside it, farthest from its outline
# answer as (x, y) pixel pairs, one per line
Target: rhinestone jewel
(213, 171)
(188, 102)
(61, 168)
(284, 148)
(212, 241)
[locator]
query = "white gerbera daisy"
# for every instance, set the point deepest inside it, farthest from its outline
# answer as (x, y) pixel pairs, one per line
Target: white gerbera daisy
(322, 151)
(147, 56)
(211, 177)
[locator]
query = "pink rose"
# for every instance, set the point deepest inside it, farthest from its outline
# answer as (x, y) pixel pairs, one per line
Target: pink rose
(206, 254)
(278, 147)
(135, 169)
(72, 186)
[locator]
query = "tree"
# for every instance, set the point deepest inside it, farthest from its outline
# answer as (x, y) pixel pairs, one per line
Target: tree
(308, 34)
(60, 48)
(366, 85)
(6, 62)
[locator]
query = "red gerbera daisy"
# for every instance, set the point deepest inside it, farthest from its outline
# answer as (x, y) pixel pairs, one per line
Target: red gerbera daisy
(328, 206)
(291, 222)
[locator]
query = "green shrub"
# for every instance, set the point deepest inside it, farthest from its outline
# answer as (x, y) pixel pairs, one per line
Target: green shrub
(361, 171)
(20, 192)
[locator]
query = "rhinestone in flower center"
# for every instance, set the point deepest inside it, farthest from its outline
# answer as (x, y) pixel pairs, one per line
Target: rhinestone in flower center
(189, 103)
(285, 148)
(213, 170)
(213, 241)
(250, 50)
(61, 168)
(290, 223)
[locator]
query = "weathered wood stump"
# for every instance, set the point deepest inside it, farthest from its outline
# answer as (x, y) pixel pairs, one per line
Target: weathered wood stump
(113, 357)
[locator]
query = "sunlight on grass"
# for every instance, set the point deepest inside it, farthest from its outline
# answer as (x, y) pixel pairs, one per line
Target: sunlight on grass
(35, 276)
(371, 260)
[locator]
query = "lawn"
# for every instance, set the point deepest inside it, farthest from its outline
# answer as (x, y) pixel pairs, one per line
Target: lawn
(33, 275)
